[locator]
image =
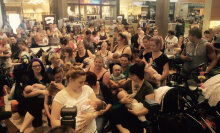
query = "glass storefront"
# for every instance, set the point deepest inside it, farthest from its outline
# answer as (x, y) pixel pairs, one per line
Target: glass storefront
(108, 12)
(91, 9)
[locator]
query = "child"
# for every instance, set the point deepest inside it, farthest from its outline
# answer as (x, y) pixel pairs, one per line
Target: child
(117, 78)
(34, 87)
(87, 107)
(152, 74)
(53, 89)
(134, 105)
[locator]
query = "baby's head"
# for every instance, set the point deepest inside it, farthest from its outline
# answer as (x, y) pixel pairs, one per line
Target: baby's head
(54, 88)
(116, 70)
(98, 105)
(29, 89)
(122, 94)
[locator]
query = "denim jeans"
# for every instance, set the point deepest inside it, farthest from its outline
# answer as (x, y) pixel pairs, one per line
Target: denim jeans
(100, 123)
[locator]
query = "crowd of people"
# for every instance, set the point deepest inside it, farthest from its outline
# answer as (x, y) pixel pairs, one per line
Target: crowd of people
(107, 76)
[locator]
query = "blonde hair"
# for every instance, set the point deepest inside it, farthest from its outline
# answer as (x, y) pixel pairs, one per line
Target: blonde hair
(158, 41)
(53, 56)
(75, 72)
(217, 30)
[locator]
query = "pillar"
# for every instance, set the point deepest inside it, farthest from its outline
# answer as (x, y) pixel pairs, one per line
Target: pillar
(162, 14)
(177, 10)
(212, 15)
(207, 15)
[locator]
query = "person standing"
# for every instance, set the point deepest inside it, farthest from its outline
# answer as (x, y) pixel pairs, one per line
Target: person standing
(197, 52)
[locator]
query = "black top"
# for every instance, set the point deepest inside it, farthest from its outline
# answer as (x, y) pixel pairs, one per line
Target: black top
(115, 48)
(159, 62)
(106, 93)
(103, 37)
(101, 79)
(80, 59)
(15, 51)
(147, 56)
(145, 89)
(134, 41)
(33, 80)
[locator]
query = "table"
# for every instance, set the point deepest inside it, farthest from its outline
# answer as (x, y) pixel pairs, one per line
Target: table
(35, 50)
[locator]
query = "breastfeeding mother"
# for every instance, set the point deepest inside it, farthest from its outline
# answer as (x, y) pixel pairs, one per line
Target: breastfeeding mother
(35, 99)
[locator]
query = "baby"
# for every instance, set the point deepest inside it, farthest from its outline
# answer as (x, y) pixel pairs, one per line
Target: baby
(32, 88)
(117, 78)
(134, 105)
(152, 74)
(88, 106)
(36, 87)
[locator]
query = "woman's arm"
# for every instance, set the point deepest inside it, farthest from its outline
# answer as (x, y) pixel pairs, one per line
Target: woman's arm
(55, 114)
(111, 44)
(46, 106)
(106, 79)
(143, 111)
(101, 112)
(165, 72)
(33, 93)
(90, 54)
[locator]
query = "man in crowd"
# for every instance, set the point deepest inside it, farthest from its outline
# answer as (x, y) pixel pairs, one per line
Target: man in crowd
(14, 48)
(88, 43)
(198, 51)
(125, 61)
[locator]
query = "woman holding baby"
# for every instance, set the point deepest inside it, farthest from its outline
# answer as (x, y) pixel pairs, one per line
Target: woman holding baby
(75, 94)
(122, 47)
(159, 60)
(34, 91)
(140, 90)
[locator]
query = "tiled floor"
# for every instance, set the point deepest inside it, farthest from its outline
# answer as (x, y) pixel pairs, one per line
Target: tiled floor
(17, 120)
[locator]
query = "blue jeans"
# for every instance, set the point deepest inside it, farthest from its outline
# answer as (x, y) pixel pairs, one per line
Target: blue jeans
(100, 123)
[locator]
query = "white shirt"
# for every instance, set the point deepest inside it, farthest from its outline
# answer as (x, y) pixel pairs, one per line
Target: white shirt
(169, 41)
(65, 99)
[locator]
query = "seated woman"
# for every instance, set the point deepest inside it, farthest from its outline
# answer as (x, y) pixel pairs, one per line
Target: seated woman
(54, 87)
(102, 74)
(24, 52)
(75, 94)
(121, 48)
(106, 54)
(41, 37)
(82, 56)
(68, 55)
(35, 99)
(102, 93)
(141, 90)
(102, 36)
(55, 62)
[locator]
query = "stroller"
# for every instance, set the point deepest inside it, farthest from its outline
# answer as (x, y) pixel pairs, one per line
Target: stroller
(181, 111)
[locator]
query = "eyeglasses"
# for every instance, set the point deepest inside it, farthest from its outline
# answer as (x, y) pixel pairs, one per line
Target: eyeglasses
(36, 66)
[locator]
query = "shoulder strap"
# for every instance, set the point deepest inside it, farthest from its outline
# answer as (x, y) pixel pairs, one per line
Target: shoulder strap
(103, 74)
(124, 49)
(114, 49)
